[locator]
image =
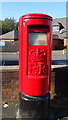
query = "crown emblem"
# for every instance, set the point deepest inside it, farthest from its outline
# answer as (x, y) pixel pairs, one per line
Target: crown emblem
(38, 55)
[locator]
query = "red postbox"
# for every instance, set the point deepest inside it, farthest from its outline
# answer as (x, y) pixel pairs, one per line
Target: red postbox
(35, 31)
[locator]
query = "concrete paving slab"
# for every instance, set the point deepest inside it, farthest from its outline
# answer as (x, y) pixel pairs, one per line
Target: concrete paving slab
(54, 113)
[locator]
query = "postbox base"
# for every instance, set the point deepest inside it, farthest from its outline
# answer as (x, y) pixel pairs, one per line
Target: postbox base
(34, 107)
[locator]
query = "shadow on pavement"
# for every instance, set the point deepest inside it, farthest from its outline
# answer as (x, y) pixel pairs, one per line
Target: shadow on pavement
(58, 113)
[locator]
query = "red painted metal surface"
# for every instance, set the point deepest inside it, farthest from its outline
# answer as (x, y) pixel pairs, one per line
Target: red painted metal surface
(34, 60)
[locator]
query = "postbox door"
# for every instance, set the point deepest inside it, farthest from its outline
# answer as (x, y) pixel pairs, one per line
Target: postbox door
(38, 60)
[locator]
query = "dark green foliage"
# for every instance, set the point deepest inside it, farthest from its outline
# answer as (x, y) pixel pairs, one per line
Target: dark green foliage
(7, 25)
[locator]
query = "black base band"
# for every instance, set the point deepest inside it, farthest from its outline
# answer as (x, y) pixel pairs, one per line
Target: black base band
(34, 107)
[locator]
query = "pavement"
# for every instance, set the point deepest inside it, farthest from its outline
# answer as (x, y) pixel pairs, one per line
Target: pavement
(11, 111)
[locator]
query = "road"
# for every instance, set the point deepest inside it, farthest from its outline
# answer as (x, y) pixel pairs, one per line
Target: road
(7, 58)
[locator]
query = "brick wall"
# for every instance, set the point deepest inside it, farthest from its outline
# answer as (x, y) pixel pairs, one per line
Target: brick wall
(59, 83)
(57, 44)
(9, 85)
